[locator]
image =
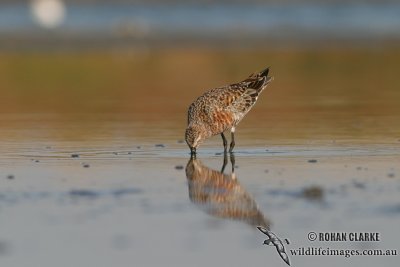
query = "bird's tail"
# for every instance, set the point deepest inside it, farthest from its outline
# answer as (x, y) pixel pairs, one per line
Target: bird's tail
(259, 80)
(263, 73)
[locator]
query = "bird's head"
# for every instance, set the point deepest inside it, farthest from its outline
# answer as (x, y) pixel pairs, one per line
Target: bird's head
(268, 242)
(193, 137)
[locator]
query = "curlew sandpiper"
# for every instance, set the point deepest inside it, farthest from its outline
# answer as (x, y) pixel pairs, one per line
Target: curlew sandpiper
(222, 108)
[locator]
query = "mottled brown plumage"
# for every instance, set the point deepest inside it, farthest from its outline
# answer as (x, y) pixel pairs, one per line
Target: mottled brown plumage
(222, 108)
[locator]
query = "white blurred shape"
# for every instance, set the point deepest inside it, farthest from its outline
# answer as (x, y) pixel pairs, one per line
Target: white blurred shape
(48, 13)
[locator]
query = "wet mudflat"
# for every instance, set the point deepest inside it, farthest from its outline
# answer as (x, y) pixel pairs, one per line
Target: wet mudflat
(92, 179)
(134, 206)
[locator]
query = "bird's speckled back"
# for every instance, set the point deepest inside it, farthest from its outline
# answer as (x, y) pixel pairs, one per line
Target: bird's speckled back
(222, 108)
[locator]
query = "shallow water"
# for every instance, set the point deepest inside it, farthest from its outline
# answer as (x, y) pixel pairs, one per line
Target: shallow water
(115, 186)
(104, 197)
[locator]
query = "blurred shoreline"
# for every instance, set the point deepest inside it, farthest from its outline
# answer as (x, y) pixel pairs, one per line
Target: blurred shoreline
(103, 25)
(55, 43)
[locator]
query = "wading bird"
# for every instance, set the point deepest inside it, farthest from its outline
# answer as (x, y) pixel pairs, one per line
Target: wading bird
(222, 108)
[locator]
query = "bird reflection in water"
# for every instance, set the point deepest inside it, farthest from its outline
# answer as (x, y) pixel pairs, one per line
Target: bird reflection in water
(222, 196)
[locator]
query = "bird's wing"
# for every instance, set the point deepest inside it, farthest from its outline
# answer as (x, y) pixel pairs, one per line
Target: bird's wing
(242, 94)
(282, 252)
(280, 248)
(264, 231)
(246, 93)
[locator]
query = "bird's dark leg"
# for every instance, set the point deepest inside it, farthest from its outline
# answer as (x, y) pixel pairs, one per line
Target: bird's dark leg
(193, 152)
(224, 142)
(232, 141)
(225, 162)
(232, 161)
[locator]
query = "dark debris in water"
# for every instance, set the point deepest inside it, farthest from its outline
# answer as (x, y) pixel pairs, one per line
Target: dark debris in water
(83, 193)
(314, 193)
(126, 191)
(10, 176)
(180, 141)
(74, 155)
(179, 167)
(92, 194)
(312, 161)
(281, 192)
(85, 165)
(391, 175)
(359, 185)
(159, 145)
